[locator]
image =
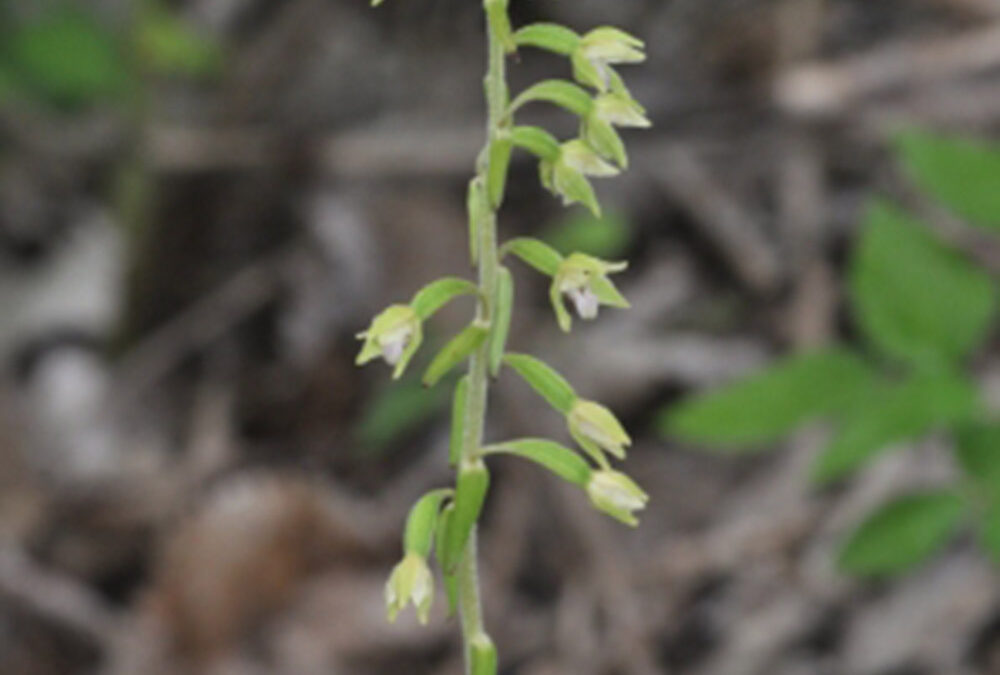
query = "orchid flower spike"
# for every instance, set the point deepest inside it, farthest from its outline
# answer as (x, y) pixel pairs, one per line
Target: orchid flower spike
(584, 280)
(601, 48)
(394, 335)
(597, 430)
(617, 495)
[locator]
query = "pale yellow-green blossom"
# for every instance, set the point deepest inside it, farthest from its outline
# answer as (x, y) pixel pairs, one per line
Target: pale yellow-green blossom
(411, 581)
(617, 495)
(394, 335)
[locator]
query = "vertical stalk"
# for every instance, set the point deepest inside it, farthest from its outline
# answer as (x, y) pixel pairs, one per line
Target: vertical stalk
(470, 607)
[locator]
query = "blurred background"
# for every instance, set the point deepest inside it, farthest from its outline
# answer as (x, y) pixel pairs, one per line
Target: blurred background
(201, 203)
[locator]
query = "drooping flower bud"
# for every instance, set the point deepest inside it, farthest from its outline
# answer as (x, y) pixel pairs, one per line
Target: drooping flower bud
(601, 48)
(584, 280)
(566, 175)
(617, 495)
(411, 581)
(394, 335)
(597, 430)
(620, 110)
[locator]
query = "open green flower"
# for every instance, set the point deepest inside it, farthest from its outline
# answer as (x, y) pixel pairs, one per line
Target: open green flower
(411, 581)
(597, 430)
(394, 335)
(584, 280)
(566, 175)
(601, 48)
(617, 495)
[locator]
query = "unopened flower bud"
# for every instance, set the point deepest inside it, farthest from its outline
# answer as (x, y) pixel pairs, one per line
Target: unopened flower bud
(411, 581)
(598, 50)
(620, 110)
(617, 495)
(597, 430)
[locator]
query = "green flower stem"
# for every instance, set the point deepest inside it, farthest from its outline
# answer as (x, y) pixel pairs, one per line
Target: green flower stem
(470, 606)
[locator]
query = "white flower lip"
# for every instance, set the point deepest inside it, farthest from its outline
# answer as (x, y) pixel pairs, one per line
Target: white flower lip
(585, 301)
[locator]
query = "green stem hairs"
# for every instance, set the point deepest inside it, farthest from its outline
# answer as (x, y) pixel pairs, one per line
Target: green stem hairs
(445, 520)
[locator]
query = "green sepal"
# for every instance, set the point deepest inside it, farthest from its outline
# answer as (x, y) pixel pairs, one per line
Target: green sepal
(536, 253)
(437, 294)
(455, 352)
(605, 141)
(496, 170)
(555, 457)
(450, 580)
(562, 93)
(503, 307)
(574, 188)
(549, 384)
(482, 655)
(420, 524)
(478, 206)
(457, 438)
(548, 36)
(470, 492)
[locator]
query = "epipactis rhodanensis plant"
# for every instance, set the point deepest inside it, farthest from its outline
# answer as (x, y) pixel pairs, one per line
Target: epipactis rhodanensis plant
(443, 522)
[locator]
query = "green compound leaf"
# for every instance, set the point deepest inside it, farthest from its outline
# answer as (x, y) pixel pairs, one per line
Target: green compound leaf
(470, 494)
(421, 522)
(962, 173)
(503, 307)
(890, 413)
(548, 36)
(457, 438)
(901, 534)
(537, 141)
(562, 93)
(453, 353)
(538, 254)
(914, 298)
(496, 171)
(764, 407)
(437, 294)
(555, 457)
(549, 384)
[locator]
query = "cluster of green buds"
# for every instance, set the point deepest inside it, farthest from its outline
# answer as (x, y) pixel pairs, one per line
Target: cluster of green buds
(443, 522)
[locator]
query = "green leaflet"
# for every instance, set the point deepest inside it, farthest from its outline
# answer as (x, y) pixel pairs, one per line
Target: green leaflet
(503, 306)
(437, 294)
(562, 93)
(457, 438)
(752, 412)
(453, 353)
(552, 386)
(555, 457)
(602, 137)
(539, 255)
(420, 524)
(890, 413)
(548, 36)
(496, 170)
(916, 299)
(470, 494)
(963, 174)
(902, 534)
